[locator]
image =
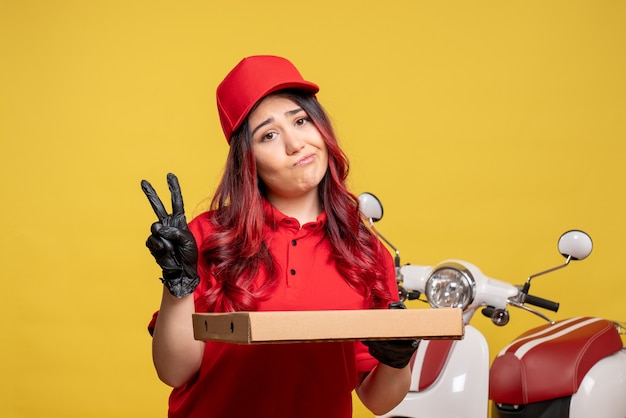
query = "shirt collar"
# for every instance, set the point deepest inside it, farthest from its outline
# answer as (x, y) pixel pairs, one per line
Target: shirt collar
(275, 218)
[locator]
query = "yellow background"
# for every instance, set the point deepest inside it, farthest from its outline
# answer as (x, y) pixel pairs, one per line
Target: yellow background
(486, 127)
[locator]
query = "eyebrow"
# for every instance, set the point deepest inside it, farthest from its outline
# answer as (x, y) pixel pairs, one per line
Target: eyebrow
(270, 120)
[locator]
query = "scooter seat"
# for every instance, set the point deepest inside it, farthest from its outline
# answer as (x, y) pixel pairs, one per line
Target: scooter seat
(550, 361)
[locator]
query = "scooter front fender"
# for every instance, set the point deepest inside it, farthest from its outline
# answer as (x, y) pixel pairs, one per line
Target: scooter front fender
(462, 388)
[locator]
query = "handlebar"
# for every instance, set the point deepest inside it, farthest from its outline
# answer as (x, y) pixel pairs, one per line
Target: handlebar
(542, 303)
(500, 316)
(492, 312)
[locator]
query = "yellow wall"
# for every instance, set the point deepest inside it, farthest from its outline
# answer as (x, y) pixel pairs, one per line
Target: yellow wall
(486, 127)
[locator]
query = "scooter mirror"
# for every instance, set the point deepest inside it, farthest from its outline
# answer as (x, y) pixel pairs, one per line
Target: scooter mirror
(575, 244)
(370, 207)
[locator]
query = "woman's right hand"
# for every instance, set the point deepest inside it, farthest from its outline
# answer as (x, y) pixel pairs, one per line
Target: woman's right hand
(171, 243)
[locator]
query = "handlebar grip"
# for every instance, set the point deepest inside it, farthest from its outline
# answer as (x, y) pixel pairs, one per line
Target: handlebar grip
(414, 295)
(488, 311)
(542, 303)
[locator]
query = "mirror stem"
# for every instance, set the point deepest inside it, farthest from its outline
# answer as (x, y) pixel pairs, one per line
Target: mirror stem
(386, 241)
(527, 284)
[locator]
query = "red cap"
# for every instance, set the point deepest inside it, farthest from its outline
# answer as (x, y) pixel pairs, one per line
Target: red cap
(252, 79)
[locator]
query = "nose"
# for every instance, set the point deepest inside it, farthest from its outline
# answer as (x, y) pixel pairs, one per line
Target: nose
(294, 142)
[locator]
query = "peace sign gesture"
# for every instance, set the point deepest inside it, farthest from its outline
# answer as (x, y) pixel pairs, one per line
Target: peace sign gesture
(171, 243)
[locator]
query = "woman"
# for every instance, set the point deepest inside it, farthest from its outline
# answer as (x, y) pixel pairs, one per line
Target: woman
(283, 233)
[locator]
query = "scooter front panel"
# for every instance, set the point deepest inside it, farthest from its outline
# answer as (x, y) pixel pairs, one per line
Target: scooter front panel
(460, 391)
(602, 393)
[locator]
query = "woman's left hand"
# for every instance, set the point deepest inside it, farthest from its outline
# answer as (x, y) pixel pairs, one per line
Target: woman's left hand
(393, 353)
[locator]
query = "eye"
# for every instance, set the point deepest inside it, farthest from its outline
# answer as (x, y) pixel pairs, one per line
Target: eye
(302, 121)
(268, 136)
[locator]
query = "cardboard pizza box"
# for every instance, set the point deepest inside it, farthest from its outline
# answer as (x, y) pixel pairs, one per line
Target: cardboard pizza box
(334, 325)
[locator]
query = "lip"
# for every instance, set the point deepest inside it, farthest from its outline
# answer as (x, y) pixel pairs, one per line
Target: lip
(307, 159)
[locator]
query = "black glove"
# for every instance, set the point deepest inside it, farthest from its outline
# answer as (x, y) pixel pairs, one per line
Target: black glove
(393, 353)
(171, 243)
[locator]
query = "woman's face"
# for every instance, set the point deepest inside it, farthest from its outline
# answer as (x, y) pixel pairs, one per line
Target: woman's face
(290, 153)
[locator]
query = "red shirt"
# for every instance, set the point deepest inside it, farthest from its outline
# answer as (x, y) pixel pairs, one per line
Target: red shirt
(283, 380)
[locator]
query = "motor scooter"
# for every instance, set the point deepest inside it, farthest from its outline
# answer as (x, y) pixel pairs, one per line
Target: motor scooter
(572, 368)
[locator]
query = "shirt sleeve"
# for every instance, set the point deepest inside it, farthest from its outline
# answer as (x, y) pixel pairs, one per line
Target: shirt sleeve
(364, 361)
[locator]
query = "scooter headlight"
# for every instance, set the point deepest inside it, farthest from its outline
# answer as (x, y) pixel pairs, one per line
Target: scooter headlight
(450, 285)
